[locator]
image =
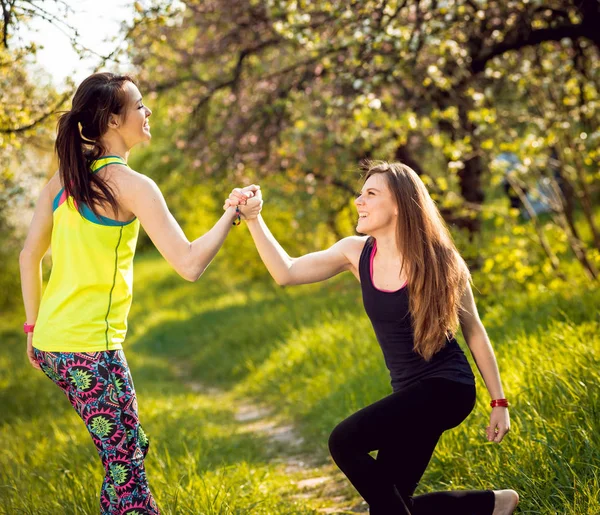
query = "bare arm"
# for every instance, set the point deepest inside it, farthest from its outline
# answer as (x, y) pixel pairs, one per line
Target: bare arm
(483, 353)
(310, 268)
(141, 196)
(30, 260)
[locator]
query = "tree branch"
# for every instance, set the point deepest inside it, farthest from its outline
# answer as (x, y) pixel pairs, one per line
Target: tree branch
(23, 128)
(7, 8)
(534, 37)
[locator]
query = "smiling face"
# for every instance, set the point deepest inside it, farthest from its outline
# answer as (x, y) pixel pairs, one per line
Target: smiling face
(132, 124)
(377, 209)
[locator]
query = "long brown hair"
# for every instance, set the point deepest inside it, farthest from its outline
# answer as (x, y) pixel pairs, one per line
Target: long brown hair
(79, 133)
(437, 274)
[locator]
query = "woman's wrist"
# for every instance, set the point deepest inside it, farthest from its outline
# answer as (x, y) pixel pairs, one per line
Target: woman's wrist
(252, 221)
(499, 403)
(231, 213)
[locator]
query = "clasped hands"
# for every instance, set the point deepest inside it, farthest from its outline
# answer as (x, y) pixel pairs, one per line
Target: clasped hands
(249, 200)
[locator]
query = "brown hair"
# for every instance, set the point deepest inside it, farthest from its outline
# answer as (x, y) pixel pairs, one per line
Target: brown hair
(437, 274)
(78, 138)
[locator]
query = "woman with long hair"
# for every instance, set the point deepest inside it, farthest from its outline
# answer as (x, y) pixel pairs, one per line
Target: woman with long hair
(90, 213)
(416, 291)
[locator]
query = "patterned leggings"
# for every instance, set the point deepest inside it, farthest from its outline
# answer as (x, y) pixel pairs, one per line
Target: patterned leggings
(99, 387)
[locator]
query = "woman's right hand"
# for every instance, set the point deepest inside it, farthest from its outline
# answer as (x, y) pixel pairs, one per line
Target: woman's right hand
(249, 200)
(239, 196)
(30, 354)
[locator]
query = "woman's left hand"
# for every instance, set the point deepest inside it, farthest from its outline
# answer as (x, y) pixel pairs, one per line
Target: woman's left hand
(499, 424)
(252, 208)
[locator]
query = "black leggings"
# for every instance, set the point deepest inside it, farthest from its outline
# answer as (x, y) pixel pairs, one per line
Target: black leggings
(404, 428)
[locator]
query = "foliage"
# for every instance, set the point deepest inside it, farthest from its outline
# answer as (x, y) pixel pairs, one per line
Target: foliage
(309, 353)
(24, 152)
(27, 103)
(294, 94)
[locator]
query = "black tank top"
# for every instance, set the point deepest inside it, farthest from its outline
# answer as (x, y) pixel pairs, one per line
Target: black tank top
(390, 316)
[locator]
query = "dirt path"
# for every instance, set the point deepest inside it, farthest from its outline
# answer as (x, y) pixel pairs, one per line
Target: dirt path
(314, 481)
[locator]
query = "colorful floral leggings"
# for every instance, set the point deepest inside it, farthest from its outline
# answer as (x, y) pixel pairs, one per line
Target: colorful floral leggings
(100, 388)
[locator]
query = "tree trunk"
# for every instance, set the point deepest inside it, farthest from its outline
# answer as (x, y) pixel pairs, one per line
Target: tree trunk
(404, 155)
(470, 175)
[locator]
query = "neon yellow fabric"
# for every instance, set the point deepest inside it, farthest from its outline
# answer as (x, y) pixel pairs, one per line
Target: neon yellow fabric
(86, 302)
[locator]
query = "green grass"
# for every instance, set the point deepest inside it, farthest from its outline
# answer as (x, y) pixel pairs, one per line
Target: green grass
(310, 353)
(199, 462)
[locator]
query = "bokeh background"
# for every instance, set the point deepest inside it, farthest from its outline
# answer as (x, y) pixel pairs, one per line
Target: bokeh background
(493, 103)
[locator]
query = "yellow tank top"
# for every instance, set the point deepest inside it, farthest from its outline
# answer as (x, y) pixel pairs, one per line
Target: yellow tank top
(88, 296)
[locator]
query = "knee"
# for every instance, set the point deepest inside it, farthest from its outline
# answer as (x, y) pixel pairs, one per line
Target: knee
(340, 439)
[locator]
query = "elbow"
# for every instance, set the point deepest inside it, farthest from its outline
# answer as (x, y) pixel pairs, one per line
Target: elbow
(186, 272)
(475, 336)
(24, 255)
(27, 258)
(190, 275)
(285, 276)
(283, 281)
(188, 268)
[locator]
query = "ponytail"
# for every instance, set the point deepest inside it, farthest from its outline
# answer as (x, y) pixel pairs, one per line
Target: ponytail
(78, 139)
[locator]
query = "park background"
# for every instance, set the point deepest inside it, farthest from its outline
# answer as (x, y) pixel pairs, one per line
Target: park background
(239, 381)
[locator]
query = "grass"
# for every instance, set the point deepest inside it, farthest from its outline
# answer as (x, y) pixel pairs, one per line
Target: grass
(308, 352)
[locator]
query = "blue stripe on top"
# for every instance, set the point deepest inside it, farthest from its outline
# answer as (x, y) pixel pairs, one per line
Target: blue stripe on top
(85, 210)
(56, 200)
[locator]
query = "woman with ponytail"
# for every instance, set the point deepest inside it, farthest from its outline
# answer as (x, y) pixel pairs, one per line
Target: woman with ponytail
(90, 213)
(416, 291)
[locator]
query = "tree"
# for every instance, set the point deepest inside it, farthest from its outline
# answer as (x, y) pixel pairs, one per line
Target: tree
(26, 126)
(248, 70)
(301, 91)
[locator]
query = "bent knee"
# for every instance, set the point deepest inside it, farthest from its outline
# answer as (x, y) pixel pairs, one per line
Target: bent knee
(340, 438)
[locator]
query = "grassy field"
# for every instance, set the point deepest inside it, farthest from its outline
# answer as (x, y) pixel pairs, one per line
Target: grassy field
(307, 357)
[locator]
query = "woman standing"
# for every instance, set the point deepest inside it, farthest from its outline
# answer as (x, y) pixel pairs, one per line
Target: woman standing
(90, 213)
(416, 291)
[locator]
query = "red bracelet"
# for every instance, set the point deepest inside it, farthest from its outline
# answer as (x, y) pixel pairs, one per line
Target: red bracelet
(499, 402)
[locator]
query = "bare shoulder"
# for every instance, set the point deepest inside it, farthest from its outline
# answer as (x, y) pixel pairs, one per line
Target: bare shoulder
(53, 186)
(129, 182)
(55, 181)
(352, 247)
(463, 266)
